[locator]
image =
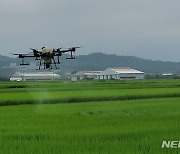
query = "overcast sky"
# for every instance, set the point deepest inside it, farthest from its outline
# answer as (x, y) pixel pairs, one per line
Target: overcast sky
(147, 29)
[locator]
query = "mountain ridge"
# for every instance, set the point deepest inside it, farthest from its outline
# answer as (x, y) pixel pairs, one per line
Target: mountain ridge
(101, 61)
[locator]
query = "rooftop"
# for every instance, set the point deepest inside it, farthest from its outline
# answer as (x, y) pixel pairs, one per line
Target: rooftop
(18, 74)
(125, 70)
(86, 73)
(120, 70)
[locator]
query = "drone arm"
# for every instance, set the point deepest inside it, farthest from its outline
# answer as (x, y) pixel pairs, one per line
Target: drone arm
(22, 56)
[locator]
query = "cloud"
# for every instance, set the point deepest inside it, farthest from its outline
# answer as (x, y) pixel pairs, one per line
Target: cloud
(25, 7)
(137, 26)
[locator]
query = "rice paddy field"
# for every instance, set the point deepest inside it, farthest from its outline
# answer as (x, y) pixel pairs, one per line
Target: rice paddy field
(128, 117)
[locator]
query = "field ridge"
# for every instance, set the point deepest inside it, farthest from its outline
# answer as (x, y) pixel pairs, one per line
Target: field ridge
(84, 100)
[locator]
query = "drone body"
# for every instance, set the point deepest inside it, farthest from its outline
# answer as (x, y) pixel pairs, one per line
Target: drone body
(46, 56)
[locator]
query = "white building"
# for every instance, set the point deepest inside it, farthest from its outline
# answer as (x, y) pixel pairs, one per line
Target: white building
(121, 73)
(85, 75)
(13, 65)
(167, 74)
(34, 76)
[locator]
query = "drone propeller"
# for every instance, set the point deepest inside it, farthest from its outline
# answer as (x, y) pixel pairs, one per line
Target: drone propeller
(73, 49)
(32, 49)
(36, 53)
(20, 55)
(77, 47)
(16, 54)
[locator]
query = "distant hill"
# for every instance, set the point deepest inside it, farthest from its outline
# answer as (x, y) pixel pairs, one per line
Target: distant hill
(5, 61)
(101, 61)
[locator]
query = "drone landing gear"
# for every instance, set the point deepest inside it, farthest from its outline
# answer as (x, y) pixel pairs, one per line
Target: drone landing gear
(40, 65)
(58, 60)
(55, 63)
(48, 65)
(22, 64)
(71, 56)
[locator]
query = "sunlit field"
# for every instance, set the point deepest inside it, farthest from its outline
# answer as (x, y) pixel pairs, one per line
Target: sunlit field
(89, 117)
(13, 93)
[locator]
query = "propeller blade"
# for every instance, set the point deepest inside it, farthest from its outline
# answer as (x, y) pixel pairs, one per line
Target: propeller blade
(16, 54)
(32, 49)
(77, 47)
(20, 55)
(58, 49)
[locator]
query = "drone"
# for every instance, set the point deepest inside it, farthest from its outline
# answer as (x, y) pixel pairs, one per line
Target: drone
(46, 56)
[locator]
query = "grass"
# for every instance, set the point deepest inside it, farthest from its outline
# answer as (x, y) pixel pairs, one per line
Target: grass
(137, 126)
(118, 118)
(60, 92)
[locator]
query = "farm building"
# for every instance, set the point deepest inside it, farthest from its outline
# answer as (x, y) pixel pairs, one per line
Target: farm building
(85, 75)
(121, 73)
(34, 76)
(118, 73)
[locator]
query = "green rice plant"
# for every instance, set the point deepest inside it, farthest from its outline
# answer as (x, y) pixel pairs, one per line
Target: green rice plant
(133, 126)
(44, 96)
(120, 117)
